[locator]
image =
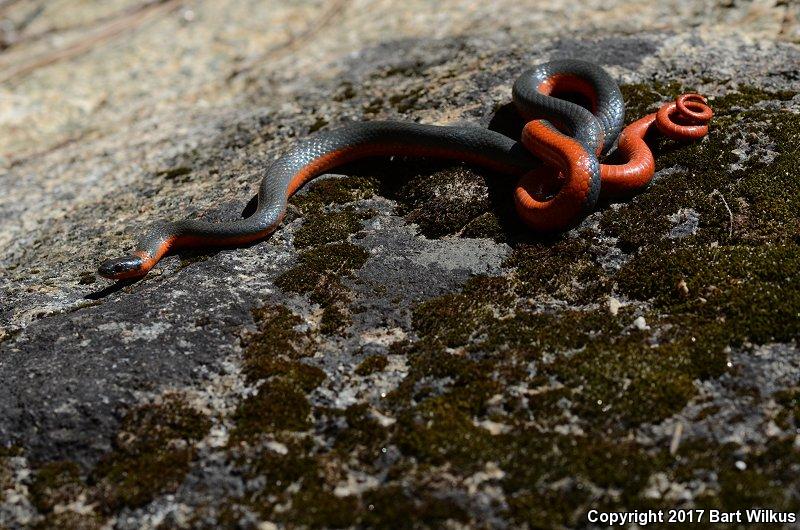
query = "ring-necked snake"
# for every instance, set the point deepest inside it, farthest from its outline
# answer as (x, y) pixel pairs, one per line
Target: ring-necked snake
(549, 197)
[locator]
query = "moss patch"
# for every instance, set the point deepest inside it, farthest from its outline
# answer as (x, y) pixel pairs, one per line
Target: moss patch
(398, 507)
(313, 275)
(486, 225)
(453, 318)
(437, 433)
(746, 289)
(372, 364)
(272, 357)
(568, 269)
(277, 405)
(152, 454)
(61, 483)
(763, 478)
(329, 227)
(318, 273)
(441, 206)
(330, 191)
(789, 399)
(9, 451)
(277, 339)
(327, 256)
(56, 483)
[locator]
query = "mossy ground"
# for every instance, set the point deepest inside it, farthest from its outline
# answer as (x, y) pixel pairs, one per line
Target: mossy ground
(372, 364)
(585, 378)
(319, 273)
(533, 380)
(272, 356)
(326, 255)
(153, 451)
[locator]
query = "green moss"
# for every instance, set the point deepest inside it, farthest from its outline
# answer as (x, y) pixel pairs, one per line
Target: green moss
(470, 381)
(319, 266)
(486, 225)
(614, 377)
(438, 433)
(565, 268)
(316, 507)
(329, 191)
(747, 96)
(232, 514)
(764, 477)
(318, 273)
(277, 405)
(396, 507)
(303, 376)
(484, 318)
(644, 98)
(441, 206)
(372, 364)
(56, 483)
(335, 318)
(10, 451)
(729, 282)
(626, 381)
(297, 482)
(537, 333)
(280, 471)
(534, 461)
(746, 288)
(61, 483)
(322, 228)
(453, 318)
(72, 521)
(271, 355)
(760, 195)
(152, 453)
(269, 350)
(278, 474)
(363, 437)
(545, 508)
(770, 196)
(789, 399)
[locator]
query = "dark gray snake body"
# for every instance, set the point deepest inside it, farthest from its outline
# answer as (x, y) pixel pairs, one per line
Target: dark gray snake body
(563, 134)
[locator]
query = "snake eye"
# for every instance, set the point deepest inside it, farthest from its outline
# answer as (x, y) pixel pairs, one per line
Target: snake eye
(121, 268)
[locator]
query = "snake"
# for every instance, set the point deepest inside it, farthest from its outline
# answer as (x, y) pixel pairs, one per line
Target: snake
(557, 160)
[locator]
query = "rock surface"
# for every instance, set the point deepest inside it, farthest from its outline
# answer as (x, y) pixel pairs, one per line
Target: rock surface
(400, 353)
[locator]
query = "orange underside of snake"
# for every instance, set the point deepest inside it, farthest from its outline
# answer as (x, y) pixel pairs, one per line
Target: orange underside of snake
(550, 197)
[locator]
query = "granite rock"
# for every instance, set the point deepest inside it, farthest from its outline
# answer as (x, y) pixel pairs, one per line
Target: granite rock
(423, 361)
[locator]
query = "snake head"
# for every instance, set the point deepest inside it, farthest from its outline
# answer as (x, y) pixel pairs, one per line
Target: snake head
(131, 266)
